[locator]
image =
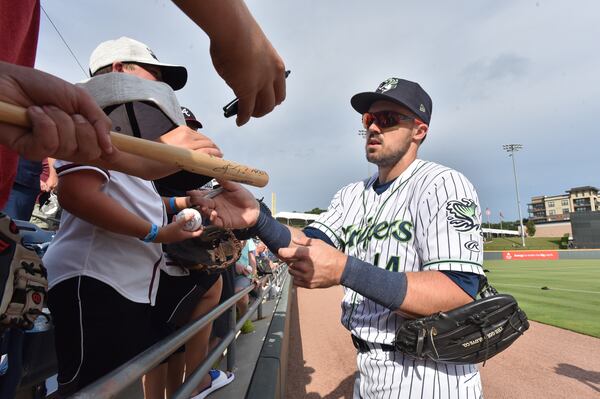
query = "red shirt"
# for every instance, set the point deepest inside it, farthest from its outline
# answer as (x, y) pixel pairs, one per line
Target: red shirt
(19, 28)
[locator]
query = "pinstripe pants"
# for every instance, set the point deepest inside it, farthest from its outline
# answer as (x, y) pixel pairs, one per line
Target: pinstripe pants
(392, 375)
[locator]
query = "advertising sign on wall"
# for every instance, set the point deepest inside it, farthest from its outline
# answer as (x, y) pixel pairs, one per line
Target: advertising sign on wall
(530, 255)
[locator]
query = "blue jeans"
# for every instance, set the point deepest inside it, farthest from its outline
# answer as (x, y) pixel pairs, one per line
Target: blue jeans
(21, 202)
(12, 343)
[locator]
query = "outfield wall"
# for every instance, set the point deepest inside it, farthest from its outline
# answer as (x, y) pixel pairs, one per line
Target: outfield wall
(542, 254)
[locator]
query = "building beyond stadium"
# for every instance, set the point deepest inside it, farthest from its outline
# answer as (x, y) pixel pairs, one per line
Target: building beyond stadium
(553, 208)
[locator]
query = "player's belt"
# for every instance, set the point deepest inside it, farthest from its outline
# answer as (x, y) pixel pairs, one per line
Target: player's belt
(364, 346)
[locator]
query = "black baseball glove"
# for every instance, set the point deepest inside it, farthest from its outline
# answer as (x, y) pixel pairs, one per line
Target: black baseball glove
(215, 250)
(471, 333)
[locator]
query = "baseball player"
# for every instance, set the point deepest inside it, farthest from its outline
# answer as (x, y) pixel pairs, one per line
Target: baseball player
(405, 242)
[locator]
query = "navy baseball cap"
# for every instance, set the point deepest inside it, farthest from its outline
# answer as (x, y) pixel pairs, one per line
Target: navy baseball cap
(190, 119)
(399, 91)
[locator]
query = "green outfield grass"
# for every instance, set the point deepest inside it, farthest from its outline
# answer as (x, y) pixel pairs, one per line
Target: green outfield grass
(514, 243)
(572, 300)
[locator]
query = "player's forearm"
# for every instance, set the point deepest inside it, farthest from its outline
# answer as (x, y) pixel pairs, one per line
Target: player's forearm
(430, 292)
(412, 294)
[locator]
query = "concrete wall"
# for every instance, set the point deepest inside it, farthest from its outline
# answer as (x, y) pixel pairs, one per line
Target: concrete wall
(553, 229)
(269, 378)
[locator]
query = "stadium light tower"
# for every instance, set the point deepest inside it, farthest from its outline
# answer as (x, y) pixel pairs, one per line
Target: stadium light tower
(511, 149)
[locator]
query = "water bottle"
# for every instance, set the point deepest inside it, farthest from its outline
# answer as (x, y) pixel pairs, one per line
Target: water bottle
(41, 323)
(3, 364)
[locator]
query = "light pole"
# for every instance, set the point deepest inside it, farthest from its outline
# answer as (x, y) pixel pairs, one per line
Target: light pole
(511, 149)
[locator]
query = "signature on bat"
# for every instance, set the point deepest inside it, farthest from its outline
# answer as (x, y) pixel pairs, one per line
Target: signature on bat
(231, 168)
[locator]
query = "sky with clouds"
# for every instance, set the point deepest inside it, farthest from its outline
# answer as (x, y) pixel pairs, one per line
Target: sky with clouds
(499, 72)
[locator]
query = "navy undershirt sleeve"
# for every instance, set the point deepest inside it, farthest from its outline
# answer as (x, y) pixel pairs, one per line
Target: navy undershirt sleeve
(469, 282)
(312, 232)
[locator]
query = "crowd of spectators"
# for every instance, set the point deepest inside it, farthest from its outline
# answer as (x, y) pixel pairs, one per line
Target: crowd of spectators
(112, 291)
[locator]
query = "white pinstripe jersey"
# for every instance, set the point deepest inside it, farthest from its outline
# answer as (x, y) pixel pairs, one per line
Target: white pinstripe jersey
(428, 219)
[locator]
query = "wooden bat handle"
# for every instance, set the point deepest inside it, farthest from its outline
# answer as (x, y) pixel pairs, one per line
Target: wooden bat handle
(195, 162)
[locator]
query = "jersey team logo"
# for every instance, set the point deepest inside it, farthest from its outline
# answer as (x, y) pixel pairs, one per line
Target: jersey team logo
(462, 215)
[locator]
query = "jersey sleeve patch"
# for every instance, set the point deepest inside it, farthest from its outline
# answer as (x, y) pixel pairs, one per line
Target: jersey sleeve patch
(462, 215)
(449, 225)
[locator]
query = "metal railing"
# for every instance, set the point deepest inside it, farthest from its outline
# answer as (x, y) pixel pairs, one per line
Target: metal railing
(125, 375)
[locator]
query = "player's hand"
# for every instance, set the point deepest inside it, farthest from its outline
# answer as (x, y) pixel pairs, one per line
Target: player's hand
(174, 232)
(234, 208)
(66, 122)
(313, 263)
(183, 136)
(253, 69)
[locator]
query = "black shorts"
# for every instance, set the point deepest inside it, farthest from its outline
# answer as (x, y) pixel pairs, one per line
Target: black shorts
(221, 324)
(176, 299)
(96, 330)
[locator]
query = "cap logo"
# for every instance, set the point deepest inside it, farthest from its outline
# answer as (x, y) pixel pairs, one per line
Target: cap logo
(389, 84)
(186, 112)
(151, 53)
(422, 108)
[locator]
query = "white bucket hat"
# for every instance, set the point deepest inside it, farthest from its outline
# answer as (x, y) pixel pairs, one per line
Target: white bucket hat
(125, 49)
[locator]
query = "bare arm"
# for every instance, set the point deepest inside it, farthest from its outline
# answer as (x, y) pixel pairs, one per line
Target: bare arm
(241, 54)
(429, 292)
(135, 165)
(50, 184)
(66, 122)
(79, 189)
(180, 203)
(148, 169)
(252, 261)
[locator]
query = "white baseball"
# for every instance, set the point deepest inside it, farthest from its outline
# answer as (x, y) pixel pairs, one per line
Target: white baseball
(194, 223)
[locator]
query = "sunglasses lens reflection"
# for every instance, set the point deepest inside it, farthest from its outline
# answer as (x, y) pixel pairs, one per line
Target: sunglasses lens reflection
(383, 119)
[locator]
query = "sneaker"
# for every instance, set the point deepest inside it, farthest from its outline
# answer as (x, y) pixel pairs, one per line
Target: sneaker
(218, 379)
(248, 327)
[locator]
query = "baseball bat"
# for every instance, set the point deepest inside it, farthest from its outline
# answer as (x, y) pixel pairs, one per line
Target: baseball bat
(185, 159)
